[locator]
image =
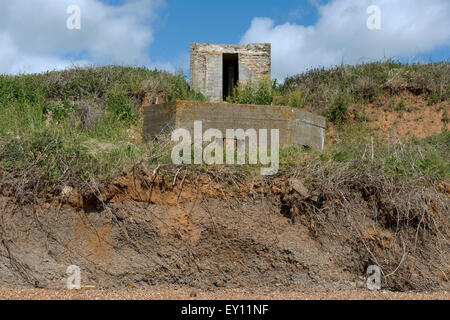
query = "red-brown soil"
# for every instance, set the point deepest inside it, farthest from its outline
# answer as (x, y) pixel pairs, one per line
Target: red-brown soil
(175, 229)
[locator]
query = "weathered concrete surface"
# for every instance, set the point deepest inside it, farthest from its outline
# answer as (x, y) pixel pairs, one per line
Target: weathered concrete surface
(254, 61)
(309, 129)
(159, 118)
(296, 127)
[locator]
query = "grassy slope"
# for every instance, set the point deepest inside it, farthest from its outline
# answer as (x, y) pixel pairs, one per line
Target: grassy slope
(330, 91)
(79, 123)
(65, 127)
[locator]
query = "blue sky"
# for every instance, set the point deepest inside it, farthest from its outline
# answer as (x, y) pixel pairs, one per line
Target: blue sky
(156, 33)
(220, 21)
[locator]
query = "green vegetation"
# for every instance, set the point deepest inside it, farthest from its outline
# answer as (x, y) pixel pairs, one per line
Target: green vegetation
(418, 157)
(329, 91)
(178, 89)
(352, 154)
(250, 92)
(69, 126)
(338, 108)
(400, 106)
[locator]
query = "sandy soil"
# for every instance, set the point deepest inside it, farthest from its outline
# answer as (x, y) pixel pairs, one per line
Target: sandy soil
(416, 118)
(148, 232)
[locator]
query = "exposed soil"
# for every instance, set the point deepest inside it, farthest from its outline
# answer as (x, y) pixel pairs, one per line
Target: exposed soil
(402, 116)
(176, 228)
(408, 115)
(158, 233)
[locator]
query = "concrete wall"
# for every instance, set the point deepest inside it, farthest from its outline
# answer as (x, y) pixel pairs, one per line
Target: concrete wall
(309, 130)
(207, 65)
(158, 118)
(296, 127)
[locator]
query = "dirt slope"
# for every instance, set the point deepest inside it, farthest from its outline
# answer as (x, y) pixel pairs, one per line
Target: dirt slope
(176, 228)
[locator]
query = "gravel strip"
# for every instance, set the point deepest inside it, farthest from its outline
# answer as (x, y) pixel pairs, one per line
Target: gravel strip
(220, 294)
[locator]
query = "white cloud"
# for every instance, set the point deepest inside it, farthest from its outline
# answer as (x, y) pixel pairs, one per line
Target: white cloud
(408, 27)
(34, 36)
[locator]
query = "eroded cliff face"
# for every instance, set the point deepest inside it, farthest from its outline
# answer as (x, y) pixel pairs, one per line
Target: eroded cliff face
(179, 227)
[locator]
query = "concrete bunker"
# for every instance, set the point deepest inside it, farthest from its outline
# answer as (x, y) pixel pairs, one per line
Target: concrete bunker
(217, 68)
(215, 71)
(296, 127)
(230, 76)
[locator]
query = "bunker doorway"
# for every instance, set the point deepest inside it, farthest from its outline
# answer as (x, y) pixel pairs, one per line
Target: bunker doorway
(230, 73)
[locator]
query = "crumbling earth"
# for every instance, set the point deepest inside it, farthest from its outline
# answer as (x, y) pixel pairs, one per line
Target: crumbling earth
(175, 228)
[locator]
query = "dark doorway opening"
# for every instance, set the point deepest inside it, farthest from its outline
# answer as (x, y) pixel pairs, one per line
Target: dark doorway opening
(230, 73)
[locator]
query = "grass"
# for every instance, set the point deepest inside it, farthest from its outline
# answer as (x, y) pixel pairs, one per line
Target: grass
(410, 161)
(68, 126)
(260, 92)
(328, 91)
(78, 126)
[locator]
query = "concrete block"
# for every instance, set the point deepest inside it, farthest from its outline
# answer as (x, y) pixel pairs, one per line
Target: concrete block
(254, 61)
(296, 127)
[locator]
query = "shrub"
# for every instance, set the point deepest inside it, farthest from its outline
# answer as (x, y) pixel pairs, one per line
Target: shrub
(434, 98)
(400, 106)
(254, 92)
(122, 107)
(57, 110)
(360, 115)
(89, 112)
(338, 109)
(297, 99)
(178, 89)
(367, 82)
